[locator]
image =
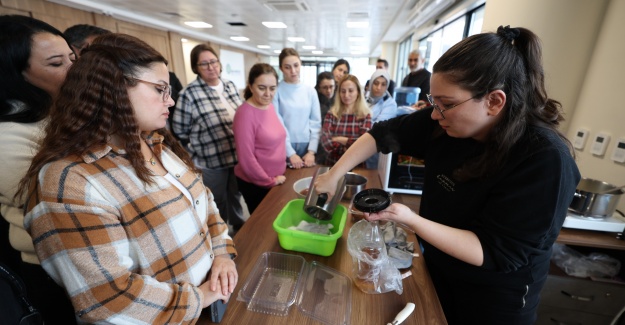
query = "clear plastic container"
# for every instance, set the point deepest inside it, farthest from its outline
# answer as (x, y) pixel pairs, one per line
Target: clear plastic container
(272, 286)
(278, 280)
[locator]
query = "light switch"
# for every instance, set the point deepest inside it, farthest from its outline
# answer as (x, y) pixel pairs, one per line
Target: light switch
(600, 144)
(618, 154)
(580, 139)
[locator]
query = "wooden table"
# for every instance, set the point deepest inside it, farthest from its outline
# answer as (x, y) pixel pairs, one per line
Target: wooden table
(257, 236)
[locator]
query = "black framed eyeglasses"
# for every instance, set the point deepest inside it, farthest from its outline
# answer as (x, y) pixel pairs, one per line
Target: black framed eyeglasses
(204, 65)
(445, 108)
(164, 88)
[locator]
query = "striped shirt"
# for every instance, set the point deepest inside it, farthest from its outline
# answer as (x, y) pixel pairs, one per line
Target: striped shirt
(202, 119)
(124, 251)
(347, 126)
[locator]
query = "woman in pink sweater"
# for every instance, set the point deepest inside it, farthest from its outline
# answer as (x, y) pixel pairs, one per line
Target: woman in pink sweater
(260, 138)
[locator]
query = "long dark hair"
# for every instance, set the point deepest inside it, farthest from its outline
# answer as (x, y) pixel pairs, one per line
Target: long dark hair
(16, 40)
(93, 105)
(509, 60)
(256, 71)
(339, 62)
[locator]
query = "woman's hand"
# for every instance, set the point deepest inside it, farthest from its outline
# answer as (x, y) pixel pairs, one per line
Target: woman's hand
(279, 180)
(326, 183)
(223, 275)
(296, 161)
(395, 212)
(341, 140)
(309, 159)
(211, 296)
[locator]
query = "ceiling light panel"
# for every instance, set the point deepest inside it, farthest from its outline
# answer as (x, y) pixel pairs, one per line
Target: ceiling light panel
(239, 38)
(358, 24)
(274, 24)
(198, 24)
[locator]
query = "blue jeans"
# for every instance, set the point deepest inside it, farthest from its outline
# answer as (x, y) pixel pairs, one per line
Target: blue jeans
(300, 148)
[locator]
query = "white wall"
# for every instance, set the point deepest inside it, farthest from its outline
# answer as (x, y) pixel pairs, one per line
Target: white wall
(601, 104)
(583, 53)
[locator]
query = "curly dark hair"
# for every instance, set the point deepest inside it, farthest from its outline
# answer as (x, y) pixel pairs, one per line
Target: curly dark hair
(93, 105)
(509, 60)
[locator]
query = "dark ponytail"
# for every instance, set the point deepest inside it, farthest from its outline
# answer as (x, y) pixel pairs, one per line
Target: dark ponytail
(509, 60)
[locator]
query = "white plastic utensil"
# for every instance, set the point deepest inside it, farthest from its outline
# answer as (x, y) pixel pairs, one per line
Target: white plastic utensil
(403, 314)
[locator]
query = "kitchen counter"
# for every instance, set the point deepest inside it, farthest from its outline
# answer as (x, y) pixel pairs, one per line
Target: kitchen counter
(257, 236)
(589, 238)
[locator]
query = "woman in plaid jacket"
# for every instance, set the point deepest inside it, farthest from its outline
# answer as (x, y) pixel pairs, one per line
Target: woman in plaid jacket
(347, 120)
(118, 213)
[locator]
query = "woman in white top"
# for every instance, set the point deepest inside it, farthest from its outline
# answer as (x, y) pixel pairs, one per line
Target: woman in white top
(298, 107)
(34, 58)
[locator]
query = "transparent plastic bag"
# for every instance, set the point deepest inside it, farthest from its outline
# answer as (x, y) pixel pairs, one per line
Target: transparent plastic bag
(373, 270)
(574, 263)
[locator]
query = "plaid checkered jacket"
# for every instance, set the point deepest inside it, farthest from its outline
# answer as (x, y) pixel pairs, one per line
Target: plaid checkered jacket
(126, 252)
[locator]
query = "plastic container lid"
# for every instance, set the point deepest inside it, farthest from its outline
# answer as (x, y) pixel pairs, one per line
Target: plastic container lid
(326, 295)
(277, 279)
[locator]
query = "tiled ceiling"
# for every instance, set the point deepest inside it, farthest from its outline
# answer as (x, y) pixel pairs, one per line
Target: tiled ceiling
(322, 23)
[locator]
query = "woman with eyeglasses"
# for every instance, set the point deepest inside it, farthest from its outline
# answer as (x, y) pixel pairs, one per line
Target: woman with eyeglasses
(203, 122)
(115, 206)
(499, 177)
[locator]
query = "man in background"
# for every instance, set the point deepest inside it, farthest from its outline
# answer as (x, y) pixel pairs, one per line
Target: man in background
(418, 76)
(382, 64)
(80, 36)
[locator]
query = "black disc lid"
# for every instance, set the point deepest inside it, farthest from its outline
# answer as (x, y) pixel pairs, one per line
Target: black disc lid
(372, 200)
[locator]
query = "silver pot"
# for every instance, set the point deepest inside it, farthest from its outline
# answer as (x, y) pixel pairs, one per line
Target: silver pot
(588, 202)
(317, 205)
(354, 183)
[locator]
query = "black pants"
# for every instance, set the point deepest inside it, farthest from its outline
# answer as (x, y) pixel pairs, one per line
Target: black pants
(252, 193)
(49, 298)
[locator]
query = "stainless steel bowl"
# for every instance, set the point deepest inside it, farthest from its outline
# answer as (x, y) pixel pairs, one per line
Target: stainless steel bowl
(354, 183)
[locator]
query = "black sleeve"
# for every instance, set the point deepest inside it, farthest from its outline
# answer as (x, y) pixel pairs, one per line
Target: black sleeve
(425, 88)
(405, 134)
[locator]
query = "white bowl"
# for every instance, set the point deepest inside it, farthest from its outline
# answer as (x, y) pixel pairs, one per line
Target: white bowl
(301, 185)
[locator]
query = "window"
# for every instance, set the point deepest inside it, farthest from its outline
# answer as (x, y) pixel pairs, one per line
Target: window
(405, 47)
(433, 45)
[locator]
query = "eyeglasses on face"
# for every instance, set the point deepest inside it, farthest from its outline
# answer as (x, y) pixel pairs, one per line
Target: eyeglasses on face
(445, 107)
(163, 89)
(204, 65)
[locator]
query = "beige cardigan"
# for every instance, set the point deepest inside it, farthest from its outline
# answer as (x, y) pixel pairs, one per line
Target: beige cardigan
(18, 145)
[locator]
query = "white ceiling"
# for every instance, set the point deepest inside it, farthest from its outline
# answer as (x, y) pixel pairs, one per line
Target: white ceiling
(322, 23)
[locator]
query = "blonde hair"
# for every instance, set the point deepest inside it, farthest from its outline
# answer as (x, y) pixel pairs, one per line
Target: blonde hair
(361, 109)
